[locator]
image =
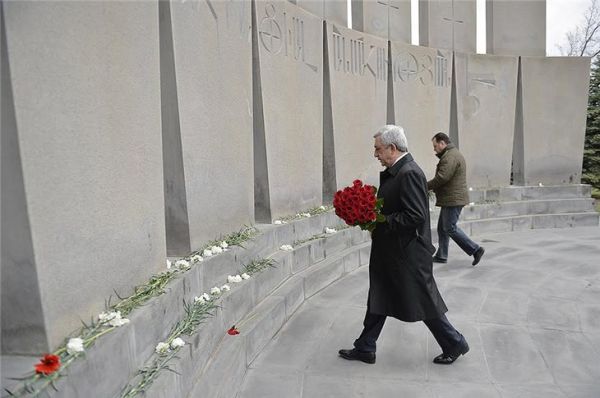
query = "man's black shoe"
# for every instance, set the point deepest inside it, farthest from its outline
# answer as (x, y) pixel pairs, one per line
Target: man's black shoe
(439, 260)
(355, 355)
(477, 255)
(447, 359)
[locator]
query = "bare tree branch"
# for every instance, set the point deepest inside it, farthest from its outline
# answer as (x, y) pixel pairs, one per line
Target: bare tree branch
(584, 40)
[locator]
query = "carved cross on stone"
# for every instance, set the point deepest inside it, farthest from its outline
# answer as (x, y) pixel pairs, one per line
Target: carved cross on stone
(453, 21)
(388, 4)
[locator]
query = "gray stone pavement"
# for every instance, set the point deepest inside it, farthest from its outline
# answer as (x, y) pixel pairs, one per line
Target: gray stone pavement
(530, 312)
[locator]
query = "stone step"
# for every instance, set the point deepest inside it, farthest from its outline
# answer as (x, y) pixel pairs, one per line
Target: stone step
(519, 208)
(513, 192)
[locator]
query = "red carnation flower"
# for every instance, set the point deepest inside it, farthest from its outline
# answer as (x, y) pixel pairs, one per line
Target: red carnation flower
(233, 331)
(49, 364)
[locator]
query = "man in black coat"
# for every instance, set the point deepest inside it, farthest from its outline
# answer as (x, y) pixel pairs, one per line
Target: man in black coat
(400, 268)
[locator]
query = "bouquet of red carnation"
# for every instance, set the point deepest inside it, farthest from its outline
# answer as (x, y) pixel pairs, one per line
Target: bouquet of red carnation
(358, 205)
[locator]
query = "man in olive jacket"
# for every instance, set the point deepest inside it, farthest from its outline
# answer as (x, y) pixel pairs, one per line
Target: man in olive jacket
(401, 281)
(451, 194)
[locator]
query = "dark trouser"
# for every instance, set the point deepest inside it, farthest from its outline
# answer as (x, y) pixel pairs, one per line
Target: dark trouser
(446, 229)
(449, 339)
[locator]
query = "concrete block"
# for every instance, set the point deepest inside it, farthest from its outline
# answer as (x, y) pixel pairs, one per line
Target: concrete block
(308, 227)
(422, 80)
(152, 322)
(476, 196)
(301, 258)
(167, 384)
(215, 269)
(486, 89)
(390, 20)
(228, 363)
(75, 123)
(511, 193)
(538, 207)
(571, 205)
(201, 57)
(548, 155)
(351, 260)
(365, 254)
(587, 219)
(336, 243)
(504, 209)
(357, 62)
(267, 280)
(317, 250)
(521, 223)
(290, 76)
(469, 213)
(262, 324)
(238, 302)
(320, 276)
(494, 225)
(107, 367)
(450, 25)
(359, 236)
(516, 27)
(493, 194)
(332, 11)
(293, 293)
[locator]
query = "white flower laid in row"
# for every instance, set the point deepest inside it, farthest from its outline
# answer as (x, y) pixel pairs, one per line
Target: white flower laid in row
(169, 264)
(303, 215)
(75, 345)
(322, 208)
(177, 342)
(286, 248)
(234, 279)
(113, 318)
(470, 188)
(540, 184)
(202, 299)
(215, 291)
(224, 245)
(472, 204)
(330, 230)
(196, 258)
(245, 276)
(225, 288)
(182, 264)
(279, 222)
(207, 253)
(216, 250)
(162, 348)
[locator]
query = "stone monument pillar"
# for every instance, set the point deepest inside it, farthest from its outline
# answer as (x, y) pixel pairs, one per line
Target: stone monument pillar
(389, 19)
(516, 27)
(448, 24)
(330, 10)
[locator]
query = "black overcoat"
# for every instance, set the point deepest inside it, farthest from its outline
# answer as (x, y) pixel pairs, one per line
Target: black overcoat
(400, 267)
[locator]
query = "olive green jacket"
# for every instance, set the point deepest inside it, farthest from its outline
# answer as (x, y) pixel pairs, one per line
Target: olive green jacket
(450, 181)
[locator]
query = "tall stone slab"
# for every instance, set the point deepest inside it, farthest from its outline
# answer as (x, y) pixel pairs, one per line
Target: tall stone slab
(355, 106)
(516, 27)
(335, 11)
(554, 110)
(448, 24)
(422, 79)
(88, 202)
(389, 19)
(288, 109)
(486, 89)
(212, 50)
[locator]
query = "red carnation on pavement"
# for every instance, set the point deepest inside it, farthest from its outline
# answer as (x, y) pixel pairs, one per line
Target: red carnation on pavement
(233, 331)
(49, 364)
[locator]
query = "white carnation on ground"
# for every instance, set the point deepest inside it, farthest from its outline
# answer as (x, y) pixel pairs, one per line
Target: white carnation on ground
(305, 214)
(207, 253)
(330, 230)
(199, 299)
(245, 276)
(277, 222)
(197, 258)
(470, 188)
(216, 250)
(215, 290)
(182, 264)
(322, 207)
(287, 248)
(224, 245)
(169, 264)
(177, 342)
(472, 204)
(75, 345)
(234, 279)
(205, 296)
(161, 348)
(225, 288)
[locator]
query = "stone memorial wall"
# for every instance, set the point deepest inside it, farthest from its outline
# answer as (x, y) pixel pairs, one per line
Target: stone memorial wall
(133, 130)
(422, 80)
(486, 89)
(357, 97)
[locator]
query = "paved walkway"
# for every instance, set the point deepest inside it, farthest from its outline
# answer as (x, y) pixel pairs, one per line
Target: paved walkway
(530, 312)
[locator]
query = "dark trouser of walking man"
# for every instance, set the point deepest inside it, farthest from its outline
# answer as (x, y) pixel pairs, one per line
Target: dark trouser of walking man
(450, 187)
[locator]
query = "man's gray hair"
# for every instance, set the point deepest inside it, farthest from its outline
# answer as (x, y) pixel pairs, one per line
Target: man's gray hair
(391, 134)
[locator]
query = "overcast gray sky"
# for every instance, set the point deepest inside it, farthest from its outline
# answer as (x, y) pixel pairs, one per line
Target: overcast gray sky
(562, 16)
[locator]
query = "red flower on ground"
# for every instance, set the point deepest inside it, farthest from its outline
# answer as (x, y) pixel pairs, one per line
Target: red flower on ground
(233, 331)
(49, 364)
